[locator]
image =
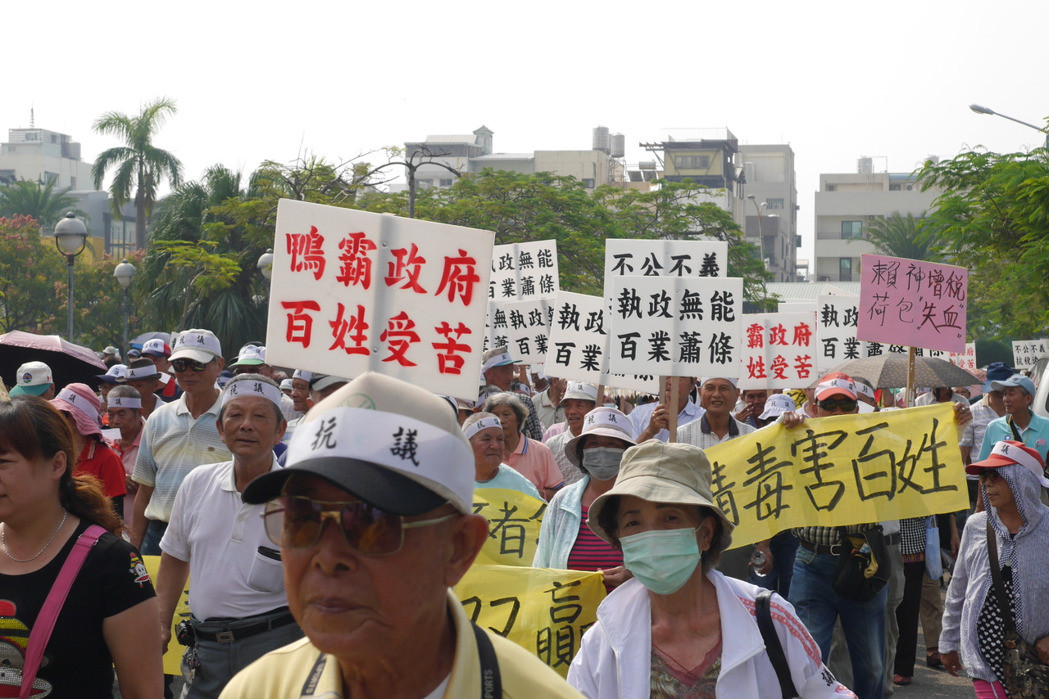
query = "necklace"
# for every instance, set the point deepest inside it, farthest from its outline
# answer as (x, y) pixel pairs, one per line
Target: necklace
(3, 541)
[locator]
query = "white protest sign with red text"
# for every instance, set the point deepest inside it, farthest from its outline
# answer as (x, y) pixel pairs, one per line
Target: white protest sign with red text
(779, 350)
(354, 291)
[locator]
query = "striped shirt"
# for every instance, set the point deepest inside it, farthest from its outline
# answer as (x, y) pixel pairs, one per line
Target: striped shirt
(592, 553)
(173, 444)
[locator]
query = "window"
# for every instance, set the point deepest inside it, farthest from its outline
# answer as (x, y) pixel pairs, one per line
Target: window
(773, 203)
(72, 183)
(692, 162)
(894, 187)
(845, 269)
(851, 229)
(588, 182)
(446, 181)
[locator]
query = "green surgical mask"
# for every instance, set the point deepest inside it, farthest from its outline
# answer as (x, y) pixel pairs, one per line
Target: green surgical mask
(662, 559)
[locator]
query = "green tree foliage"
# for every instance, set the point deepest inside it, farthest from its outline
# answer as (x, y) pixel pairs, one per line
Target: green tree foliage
(138, 165)
(993, 217)
(30, 270)
(42, 202)
(522, 208)
(98, 306)
(904, 236)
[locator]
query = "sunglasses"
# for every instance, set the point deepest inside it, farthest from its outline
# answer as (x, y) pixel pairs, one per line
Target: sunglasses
(296, 522)
(832, 404)
(184, 364)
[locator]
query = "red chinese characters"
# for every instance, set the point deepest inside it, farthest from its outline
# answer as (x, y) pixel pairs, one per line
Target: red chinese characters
(406, 267)
(348, 331)
(450, 351)
(300, 323)
(399, 336)
(307, 252)
(459, 278)
(356, 268)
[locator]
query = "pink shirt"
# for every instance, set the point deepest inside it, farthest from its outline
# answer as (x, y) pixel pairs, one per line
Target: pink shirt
(535, 461)
(554, 430)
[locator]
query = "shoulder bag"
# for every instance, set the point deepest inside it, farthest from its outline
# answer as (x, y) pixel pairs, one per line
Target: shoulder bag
(45, 620)
(1023, 674)
(763, 614)
(863, 565)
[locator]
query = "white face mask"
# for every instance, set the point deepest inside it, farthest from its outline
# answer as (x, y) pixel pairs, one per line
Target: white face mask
(662, 560)
(602, 463)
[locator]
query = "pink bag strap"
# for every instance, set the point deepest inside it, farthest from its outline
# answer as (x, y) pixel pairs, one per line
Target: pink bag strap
(45, 621)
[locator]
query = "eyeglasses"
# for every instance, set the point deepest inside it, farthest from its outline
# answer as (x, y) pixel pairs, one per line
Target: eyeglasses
(184, 364)
(845, 404)
(989, 475)
(296, 522)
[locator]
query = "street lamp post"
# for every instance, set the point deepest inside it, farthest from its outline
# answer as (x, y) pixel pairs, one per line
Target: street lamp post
(70, 239)
(265, 264)
(980, 109)
(761, 227)
(124, 273)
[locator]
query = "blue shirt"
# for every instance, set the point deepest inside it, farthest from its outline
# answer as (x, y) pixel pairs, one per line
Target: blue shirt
(1036, 435)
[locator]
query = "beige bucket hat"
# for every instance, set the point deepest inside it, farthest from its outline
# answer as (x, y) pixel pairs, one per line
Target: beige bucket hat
(658, 472)
(605, 422)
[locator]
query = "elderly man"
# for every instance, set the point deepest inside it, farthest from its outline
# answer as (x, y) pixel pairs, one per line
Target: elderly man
(651, 419)
(142, 375)
(1019, 422)
(718, 397)
(497, 366)
(178, 437)
(579, 399)
(753, 400)
(125, 414)
(239, 611)
(34, 379)
(252, 359)
(548, 405)
(371, 591)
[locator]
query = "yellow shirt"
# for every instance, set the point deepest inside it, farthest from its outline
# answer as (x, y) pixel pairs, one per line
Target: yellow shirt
(283, 673)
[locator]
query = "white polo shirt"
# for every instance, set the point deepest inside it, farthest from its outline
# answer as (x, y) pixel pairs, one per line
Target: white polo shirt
(220, 536)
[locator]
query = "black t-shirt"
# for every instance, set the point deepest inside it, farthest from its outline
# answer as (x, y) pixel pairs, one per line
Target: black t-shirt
(76, 662)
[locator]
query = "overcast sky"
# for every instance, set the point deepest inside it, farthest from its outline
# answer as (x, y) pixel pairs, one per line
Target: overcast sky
(267, 80)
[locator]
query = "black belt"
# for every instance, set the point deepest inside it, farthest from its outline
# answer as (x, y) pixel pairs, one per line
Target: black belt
(239, 629)
(834, 550)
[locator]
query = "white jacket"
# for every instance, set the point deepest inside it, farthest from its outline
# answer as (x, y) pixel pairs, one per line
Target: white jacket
(615, 655)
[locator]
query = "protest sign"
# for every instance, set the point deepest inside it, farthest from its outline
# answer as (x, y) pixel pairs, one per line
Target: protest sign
(837, 318)
(544, 611)
(664, 258)
(579, 342)
(513, 525)
(173, 654)
(779, 350)
(354, 291)
(912, 303)
(1026, 353)
(836, 471)
(524, 271)
(966, 360)
(676, 326)
(526, 325)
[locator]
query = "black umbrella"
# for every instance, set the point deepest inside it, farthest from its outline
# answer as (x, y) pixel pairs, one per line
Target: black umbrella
(69, 362)
(142, 339)
(890, 371)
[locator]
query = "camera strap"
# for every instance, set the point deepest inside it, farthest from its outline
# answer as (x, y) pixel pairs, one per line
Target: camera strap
(491, 681)
(56, 598)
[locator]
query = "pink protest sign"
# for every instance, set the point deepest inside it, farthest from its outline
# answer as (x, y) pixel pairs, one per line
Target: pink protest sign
(914, 303)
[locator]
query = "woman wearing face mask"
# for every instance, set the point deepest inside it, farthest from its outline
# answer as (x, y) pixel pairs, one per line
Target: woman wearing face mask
(565, 540)
(681, 628)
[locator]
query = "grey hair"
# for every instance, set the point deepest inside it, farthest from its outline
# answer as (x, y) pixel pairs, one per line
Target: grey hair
(125, 391)
(513, 402)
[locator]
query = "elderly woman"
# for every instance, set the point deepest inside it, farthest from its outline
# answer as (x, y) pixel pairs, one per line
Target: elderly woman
(485, 434)
(680, 628)
(530, 458)
(1012, 477)
(110, 616)
(565, 540)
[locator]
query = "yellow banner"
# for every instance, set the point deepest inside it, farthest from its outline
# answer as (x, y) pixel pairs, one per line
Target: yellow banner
(543, 610)
(836, 471)
(173, 658)
(513, 525)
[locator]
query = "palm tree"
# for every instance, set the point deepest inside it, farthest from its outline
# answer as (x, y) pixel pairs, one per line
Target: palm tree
(899, 236)
(41, 201)
(139, 165)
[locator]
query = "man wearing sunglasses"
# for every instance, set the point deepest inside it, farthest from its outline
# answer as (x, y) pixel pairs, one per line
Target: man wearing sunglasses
(178, 437)
(239, 611)
(373, 514)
